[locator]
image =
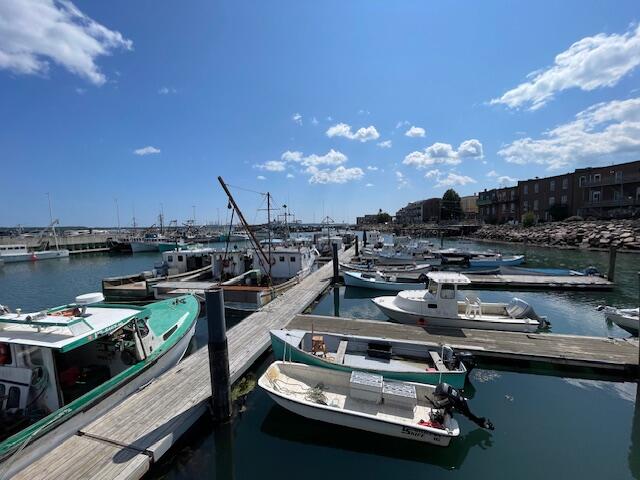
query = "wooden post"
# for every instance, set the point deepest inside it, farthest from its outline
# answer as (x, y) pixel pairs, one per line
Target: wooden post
(336, 270)
(336, 301)
(218, 356)
(357, 246)
(364, 237)
(612, 263)
(441, 239)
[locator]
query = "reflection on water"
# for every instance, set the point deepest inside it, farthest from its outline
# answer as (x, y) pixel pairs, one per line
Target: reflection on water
(634, 444)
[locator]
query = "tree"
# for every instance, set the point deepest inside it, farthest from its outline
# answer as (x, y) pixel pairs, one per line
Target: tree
(528, 220)
(451, 208)
(383, 217)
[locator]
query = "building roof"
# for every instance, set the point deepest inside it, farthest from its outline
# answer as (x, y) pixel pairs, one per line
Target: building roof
(449, 277)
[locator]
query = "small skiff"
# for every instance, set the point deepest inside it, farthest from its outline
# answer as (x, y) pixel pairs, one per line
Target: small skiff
(360, 400)
(625, 318)
(386, 269)
(497, 260)
(379, 281)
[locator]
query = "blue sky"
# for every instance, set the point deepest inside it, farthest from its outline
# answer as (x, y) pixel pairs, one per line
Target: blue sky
(337, 108)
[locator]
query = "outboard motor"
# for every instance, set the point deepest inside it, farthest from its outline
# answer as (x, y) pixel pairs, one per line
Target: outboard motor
(447, 397)
(591, 271)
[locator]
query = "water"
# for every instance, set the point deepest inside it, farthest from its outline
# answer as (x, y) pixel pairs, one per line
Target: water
(546, 426)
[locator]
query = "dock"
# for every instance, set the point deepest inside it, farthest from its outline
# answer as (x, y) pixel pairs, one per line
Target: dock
(126, 441)
(608, 356)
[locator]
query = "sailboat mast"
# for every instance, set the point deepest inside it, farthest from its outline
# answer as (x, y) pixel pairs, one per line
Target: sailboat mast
(269, 228)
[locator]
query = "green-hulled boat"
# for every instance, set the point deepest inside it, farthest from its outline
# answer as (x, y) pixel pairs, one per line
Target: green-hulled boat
(64, 367)
(393, 359)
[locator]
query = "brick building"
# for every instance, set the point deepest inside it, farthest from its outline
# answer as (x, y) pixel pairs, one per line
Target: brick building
(499, 205)
(547, 197)
(421, 211)
(469, 205)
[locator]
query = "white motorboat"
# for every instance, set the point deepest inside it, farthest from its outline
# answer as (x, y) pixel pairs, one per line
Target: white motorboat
(439, 306)
(626, 318)
(20, 253)
(495, 260)
(361, 400)
(386, 269)
(379, 281)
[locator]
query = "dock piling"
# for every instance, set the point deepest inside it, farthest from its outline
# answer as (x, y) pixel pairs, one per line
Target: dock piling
(336, 270)
(612, 263)
(218, 356)
(357, 247)
(364, 237)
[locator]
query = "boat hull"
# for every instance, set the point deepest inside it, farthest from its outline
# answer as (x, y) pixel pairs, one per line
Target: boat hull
(385, 304)
(138, 247)
(491, 262)
(336, 417)
(36, 256)
(355, 279)
(627, 322)
(293, 354)
(83, 415)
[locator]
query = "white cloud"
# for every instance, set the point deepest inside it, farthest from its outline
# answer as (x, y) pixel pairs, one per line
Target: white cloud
(385, 144)
(492, 173)
(608, 131)
(290, 175)
(372, 168)
(290, 156)
(332, 157)
(362, 134)
(166, 90)
(329, 119)
(35, 32)
(297, 118)
(444, 153)
(273, 166)
(149, 150)
(432, 173)
(415, 132)
(590, 63)
(402, 123)
(81, 91)
(369, 185)
(401, 180)
(340, 174)
(261, 177)
(364, 112)
(314, 121)
(505, 180)
(454, 179)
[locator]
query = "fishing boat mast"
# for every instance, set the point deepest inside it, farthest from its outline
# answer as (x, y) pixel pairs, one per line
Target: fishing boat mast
(269, 228)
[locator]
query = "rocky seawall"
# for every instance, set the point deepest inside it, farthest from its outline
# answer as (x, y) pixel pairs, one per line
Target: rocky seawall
(623, 234)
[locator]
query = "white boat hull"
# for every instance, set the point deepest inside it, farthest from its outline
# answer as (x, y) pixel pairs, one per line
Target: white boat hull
(35, 256)
(356, 279)
(386, 305)
(360, 423)
(626, 319)
(137, 247)
(48, 442)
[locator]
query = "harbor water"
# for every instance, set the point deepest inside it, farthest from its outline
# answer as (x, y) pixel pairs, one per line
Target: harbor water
(548, 425)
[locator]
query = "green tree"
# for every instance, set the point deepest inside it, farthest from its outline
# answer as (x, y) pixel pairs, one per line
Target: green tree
(383, 217)
(528, 219)
(451, 208)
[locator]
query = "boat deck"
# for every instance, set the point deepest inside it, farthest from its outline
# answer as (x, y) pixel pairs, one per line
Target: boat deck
(617, 357)
(125, 442)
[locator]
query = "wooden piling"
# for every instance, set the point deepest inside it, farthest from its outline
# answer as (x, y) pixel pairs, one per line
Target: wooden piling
(218, 356)
(336, 270)
(357, 247)
(364, 237)
(612, 263)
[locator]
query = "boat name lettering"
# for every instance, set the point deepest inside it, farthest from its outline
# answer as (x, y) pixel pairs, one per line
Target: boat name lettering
(412, 432)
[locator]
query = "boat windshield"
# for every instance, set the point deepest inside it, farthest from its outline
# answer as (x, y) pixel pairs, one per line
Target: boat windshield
(433, 287)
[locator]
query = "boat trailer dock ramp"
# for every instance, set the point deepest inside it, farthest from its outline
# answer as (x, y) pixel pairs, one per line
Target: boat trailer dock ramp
(617, 357)
(127, 440)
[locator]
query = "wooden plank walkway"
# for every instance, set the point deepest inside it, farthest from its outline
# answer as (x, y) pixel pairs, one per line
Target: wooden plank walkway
(607, 355)
(128, 439)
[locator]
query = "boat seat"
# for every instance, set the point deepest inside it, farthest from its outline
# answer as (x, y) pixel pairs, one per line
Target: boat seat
(318, 346)
(473, 306)
(437, 361)
(342, 350)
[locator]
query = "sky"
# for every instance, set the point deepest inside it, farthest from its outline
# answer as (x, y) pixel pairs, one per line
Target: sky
(337, 108)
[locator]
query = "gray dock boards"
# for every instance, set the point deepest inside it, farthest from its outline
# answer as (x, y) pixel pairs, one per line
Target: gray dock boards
(123, 443)
(614, 355)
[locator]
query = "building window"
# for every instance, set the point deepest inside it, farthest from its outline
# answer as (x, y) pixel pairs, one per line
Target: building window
(596, 177)
(526, 190)
(552, 186)
(535, 188)
(563, 199)
(293, 259)
(552, 201)
(526, 205)
(504, 207)
(513, 194)
(535, 205)
(582, 181)
(513, 208)
(616, 195)
(565, 183)
(282, 259)
(619, 176)
(595, 196)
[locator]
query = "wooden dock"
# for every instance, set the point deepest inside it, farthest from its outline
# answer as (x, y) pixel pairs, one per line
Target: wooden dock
(125, 442)
(607, 356)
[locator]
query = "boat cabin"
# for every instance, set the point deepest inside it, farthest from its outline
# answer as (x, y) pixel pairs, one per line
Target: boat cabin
(182, 261)
(286, 262)
(50, 358)
(13, 249)
(442, 293)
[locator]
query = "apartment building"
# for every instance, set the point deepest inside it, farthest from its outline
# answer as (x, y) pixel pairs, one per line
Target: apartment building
(499, 205)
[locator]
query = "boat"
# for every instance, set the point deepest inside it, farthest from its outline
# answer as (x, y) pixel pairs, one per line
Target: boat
(379, 281)
(360, 400)
(388, 269)
(495, 260)
(438, 306)
(64, 367)
(626, 318)
(394, 359)
(20, 253)
(153, 242)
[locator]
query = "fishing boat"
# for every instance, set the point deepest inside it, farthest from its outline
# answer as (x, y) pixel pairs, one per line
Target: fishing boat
(20, 253)
(387, 269)
(626, 318)
(393, 359)
(438, 306)
(152, 242)
(495, 260)
(64, 367)
(379, 281)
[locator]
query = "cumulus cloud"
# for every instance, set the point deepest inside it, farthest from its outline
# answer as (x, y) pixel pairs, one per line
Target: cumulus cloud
(273, 166)
(372, 168)
(362, 134)
(385, 144)
(369, 185)
(606, 131)
(260, 177)
(340, 174)
(297, 118)
(415, 132)
(36, 32)
(435, 173)
(402, 123)
(588, 64)
(505, 180)
(444, 153)
(314, 121)
(453, 179)
(492, 173)
(290, 175)
(401, 180)
(149, 150)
